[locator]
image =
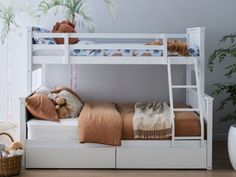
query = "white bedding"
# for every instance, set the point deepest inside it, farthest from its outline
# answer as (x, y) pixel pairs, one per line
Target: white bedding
(66, 129)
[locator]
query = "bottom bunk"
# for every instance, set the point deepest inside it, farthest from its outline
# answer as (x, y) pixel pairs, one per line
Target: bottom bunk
(56, 144)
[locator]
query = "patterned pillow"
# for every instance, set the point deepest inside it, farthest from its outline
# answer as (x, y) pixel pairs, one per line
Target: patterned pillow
(42, 40)
(73, 104)
(193, 50)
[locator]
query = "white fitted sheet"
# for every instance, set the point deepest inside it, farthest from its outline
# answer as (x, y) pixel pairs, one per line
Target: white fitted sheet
(66, 129)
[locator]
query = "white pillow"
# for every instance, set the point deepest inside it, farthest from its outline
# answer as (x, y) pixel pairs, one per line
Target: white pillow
(43, 90)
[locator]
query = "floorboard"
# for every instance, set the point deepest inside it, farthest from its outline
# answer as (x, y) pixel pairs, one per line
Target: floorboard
(221, 165)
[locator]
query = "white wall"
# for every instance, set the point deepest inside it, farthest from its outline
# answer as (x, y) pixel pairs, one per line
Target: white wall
(125, 83)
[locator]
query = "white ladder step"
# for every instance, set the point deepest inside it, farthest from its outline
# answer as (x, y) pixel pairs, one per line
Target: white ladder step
(187, 109)
(184, 86)
(188, 138)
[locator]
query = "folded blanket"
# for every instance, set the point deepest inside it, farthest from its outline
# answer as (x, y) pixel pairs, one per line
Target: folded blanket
(151, 120)
(100, 123)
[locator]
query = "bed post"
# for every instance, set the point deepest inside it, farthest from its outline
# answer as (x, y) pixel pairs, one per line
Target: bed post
(196, 36)
(29, 60)
(23, 128)
(209, 119)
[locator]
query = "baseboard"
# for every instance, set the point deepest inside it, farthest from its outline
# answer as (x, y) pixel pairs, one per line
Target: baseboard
(220, 137)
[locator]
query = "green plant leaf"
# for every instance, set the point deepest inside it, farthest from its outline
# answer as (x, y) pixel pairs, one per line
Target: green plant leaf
(7, 16)
(112, 7)
(45, 6)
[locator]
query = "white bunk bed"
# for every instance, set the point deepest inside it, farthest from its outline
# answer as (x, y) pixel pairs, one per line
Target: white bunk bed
(177, 153)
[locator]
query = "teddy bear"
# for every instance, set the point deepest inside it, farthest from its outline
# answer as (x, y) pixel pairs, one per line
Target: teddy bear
(15, 148)
(60, 105)
(175, 47)
(64, 27)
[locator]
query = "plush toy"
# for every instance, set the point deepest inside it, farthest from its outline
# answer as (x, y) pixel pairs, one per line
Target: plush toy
(15, 148)
(2, 149)
(60, 105)
(175, 47)
(13, 153)
(64, 27)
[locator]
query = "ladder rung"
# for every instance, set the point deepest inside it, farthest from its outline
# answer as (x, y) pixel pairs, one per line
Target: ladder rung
(184, 86)
(186, 109)
(188, 138)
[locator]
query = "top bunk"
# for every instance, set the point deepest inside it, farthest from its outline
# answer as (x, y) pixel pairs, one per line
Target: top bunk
(115, 48)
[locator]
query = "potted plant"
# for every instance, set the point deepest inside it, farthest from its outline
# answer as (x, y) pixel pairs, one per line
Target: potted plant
(227, 89)
(79, 13)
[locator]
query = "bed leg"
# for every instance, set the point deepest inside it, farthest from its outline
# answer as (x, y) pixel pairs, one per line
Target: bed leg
(209, 119)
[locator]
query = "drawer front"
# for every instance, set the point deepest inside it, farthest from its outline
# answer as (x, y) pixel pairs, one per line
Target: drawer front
(162, 158)
(70, 157)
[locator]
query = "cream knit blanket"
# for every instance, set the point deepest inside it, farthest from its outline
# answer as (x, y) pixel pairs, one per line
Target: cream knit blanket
(151, 120)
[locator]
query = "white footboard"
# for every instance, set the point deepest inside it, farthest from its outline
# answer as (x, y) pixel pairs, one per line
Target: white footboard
(208, 118)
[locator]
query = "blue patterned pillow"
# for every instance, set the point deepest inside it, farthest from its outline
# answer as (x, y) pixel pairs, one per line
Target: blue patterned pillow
(194, 50)
(42, 40)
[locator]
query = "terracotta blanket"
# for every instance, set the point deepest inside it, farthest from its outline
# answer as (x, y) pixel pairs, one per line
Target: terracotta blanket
(151, 120)
(100, 123)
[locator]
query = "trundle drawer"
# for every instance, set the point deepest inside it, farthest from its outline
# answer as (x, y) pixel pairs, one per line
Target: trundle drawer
(161, 158)
(70, 157)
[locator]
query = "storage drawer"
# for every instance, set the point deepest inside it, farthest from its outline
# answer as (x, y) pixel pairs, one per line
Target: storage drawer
(162, 158)
(70, 157)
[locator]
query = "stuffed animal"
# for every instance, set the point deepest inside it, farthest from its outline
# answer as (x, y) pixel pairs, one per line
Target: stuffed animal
(14, 149)
(2, 149)
(64, 27)
(14, 146)
(175, 47)
(60, 105)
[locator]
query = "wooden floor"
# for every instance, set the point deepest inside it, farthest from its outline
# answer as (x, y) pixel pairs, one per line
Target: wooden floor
(221, 165)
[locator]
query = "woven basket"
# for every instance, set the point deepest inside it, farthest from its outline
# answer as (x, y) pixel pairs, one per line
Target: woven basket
(10, 166)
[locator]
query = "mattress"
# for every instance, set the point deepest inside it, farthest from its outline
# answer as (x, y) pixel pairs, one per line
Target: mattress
(96, 52)
(66, 129)
(186, 124)
(193, 51)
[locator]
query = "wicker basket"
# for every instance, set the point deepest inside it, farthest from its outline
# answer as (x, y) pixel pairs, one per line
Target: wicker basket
(10, 166)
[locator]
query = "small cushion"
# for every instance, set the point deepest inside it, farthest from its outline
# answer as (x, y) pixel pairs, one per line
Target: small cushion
(73, 104)
(41, 107)
(43, 90)
(42, 40)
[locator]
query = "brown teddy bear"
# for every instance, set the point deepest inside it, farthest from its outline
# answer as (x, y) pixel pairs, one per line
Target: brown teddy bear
(64, 27)
(60, 105)
(175, 47)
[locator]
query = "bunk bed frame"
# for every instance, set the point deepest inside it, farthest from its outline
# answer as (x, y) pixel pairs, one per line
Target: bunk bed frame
(178, 153)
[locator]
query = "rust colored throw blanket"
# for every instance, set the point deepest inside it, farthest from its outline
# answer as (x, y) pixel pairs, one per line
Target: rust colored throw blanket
(100, 123)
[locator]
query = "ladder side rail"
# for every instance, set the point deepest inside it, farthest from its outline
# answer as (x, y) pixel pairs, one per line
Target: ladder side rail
(172, 116)
(200, 96)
